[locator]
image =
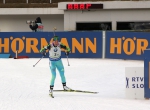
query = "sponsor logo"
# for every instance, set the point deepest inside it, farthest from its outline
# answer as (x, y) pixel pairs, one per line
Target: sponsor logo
(128, 45)
(55, 49)
(136, 82)
(84, 45)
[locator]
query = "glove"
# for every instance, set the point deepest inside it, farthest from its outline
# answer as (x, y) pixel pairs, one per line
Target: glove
(43, 51)
(44, 54)
(67, 53)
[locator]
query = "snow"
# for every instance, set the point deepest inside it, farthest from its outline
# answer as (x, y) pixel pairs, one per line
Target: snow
(24, 87)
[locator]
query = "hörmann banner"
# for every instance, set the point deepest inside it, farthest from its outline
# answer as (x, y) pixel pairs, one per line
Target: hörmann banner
(82, 44)
(126, 45)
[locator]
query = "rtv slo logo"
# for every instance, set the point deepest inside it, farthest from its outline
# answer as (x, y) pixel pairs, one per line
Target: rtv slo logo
(135, 82)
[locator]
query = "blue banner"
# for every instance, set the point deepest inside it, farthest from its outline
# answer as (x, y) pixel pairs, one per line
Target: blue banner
(127, 45)
(147, 73)
(82, 44)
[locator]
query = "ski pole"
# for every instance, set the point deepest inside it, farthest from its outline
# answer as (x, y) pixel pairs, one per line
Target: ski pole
(54, 30)
(38, 61)
(67, 60)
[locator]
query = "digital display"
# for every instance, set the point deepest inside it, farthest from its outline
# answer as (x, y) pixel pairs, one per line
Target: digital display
(84, 6)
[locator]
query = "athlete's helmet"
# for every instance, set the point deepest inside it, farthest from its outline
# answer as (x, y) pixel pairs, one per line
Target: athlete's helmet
(56, 38)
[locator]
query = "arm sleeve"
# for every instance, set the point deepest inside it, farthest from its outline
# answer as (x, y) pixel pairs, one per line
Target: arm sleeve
(45, 48)
(65, 47)
(33, 27)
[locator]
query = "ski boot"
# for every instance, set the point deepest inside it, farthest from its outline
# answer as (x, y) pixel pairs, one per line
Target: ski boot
(51, 91)
(66, 88)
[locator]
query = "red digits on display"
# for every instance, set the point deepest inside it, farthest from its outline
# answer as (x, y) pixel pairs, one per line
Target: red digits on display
(82, 6)
(69, 6)
(78, 6)
(87, 6)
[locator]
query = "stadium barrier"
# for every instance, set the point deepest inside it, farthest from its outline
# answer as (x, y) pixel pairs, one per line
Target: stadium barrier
(99, 44)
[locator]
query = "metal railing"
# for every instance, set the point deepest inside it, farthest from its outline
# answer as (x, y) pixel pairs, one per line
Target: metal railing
(26, 1)
(56, 1)
(34, 1)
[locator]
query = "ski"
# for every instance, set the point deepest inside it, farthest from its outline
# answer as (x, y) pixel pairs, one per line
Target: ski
(75, 91)
(51, 95)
